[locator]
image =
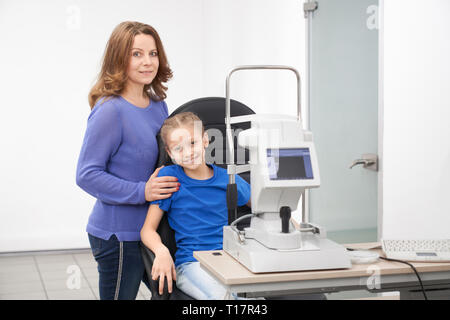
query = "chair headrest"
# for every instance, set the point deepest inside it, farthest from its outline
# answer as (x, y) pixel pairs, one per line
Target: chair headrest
(211, 110)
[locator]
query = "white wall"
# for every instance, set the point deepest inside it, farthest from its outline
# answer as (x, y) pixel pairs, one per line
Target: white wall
(416, 160)
(51, 54)
(254, 32)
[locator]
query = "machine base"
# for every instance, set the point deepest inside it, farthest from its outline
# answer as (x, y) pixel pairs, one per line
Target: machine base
(315, 254)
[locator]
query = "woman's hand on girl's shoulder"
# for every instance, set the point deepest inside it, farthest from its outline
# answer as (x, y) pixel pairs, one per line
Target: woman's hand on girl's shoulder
(158, 188)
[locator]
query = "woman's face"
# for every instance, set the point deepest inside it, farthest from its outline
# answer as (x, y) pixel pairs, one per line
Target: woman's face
(144, 61)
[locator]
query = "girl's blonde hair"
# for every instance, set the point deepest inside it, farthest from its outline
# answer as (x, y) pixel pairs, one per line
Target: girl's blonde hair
(113, 75)
(177, 121)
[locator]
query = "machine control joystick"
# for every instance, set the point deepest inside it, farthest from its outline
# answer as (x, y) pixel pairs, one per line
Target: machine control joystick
(285, 215)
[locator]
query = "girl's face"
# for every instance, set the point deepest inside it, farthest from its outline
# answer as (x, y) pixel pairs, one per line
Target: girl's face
(186, 146)
(144, 61)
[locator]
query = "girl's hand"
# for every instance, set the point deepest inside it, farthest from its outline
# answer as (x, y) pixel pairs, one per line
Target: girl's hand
(163, 267)
(158, 188)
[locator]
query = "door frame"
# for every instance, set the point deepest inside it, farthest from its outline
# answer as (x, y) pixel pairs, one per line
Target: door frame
(306, 115)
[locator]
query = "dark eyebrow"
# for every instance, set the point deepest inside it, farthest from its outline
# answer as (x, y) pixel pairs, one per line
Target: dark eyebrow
(143, 50)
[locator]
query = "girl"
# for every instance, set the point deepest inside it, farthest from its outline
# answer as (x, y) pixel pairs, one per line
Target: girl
(119, 153)
(197, 212)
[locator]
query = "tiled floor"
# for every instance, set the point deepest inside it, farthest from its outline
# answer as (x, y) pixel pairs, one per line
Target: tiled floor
(68, 275)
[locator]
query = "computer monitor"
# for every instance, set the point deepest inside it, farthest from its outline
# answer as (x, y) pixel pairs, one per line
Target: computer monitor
(289, 164)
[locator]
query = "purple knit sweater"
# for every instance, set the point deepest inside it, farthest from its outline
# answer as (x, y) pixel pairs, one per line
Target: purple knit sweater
(118, 156)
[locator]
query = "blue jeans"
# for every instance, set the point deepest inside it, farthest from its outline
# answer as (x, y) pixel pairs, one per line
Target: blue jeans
(197, 283)
(120, 267)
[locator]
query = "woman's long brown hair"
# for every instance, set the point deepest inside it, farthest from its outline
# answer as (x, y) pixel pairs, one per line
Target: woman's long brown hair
(113, 75)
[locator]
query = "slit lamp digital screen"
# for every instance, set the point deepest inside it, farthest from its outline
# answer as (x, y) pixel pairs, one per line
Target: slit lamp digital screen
(289, 164)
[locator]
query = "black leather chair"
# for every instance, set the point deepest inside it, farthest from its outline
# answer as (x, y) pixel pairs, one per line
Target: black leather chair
(212, 113)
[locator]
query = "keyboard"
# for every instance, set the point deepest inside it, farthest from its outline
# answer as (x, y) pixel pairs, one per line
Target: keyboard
(429, 250)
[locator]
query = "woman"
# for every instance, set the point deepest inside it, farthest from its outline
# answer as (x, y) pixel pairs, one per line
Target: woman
(119, 153)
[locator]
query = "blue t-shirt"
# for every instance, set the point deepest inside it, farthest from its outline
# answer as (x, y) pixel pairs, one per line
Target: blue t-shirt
(197, 212)
(118, 155)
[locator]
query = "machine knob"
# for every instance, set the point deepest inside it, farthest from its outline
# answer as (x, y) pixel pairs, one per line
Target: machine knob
(285, 215)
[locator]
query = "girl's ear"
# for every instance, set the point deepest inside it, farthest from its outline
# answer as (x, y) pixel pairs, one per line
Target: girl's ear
(168, 152)
(205, 139)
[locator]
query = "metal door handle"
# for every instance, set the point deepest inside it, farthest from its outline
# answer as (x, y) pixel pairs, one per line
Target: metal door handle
(368, 160)
(365, 162)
